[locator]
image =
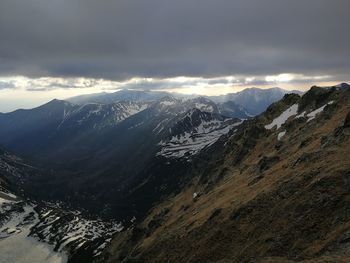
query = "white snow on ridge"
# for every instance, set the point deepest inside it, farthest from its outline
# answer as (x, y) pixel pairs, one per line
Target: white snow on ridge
(301, 115)
(109, 114)
(12, 196)
(77, 231)
(204, 107)
(280, 120)
(133, 109)
(188, 144)
(167, 103)
(3, 201)
(312, 115)
(6, 199)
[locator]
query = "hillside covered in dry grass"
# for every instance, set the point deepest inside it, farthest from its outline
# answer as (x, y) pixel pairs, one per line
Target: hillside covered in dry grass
(275, 189)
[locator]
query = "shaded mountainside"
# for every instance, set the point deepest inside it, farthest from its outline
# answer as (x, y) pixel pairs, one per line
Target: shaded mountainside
(254, 100)
(108, 158)
(14, 171)
(57, 128)
(274, 189)
(232, 109)
(57, 233)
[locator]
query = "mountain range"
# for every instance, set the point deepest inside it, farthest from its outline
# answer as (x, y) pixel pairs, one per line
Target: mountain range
(274, 189)
(251, 101)
(113, 141)
(171, 175)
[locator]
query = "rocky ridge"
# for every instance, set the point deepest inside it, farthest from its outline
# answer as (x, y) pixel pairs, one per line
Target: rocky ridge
(257, 195)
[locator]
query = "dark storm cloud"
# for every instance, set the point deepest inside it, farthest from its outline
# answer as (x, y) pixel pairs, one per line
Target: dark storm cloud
(160, 38)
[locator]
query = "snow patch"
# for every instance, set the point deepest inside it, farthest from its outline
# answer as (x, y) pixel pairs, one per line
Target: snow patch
(301, 115)
(167, 103)
(188, 144)
(280, 135)
(312, 115)
(204, 107)
(280, 120)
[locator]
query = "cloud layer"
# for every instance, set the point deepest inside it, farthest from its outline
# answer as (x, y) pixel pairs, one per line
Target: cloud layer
(195, 85)
(123, 39)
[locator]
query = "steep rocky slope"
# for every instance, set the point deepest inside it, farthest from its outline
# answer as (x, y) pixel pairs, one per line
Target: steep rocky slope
(37, 231)
(274, 189)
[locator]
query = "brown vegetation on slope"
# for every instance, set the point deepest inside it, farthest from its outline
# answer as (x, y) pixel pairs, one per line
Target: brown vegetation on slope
(275, 201)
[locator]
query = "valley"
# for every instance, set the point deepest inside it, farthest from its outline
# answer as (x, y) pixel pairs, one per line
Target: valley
(121, 181)
(179, 131)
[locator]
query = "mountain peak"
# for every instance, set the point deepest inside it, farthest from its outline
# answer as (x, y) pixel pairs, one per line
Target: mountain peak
(56, 102)
(343, 85)
(167, 100)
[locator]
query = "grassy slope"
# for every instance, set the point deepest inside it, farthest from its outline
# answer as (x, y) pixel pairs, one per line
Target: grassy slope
(298, 208)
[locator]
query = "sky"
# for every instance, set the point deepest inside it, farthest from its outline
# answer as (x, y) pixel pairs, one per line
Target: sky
(62, 48)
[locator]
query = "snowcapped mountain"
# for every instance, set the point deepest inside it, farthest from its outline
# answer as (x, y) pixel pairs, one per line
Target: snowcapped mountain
(169, 105)
(177, 106)
(194, 131)
(60, 122)
(94, 145)
(203, 104)
(99, 115)
(102, 143)
(243, 104)
(60, 131)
